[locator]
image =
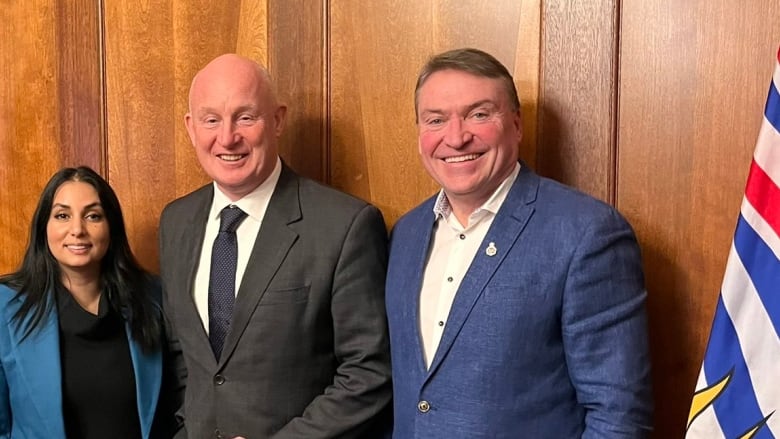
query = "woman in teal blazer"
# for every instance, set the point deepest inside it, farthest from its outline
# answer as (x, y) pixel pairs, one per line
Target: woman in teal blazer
(83, 346)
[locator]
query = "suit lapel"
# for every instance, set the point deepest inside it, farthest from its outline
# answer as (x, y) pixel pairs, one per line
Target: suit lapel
(148, 379)
(189, 239)
(273, 242)
(415, 255)
(38, 357)
(507, 226)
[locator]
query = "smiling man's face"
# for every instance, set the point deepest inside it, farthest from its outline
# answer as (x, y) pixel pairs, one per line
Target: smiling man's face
(468, 135)
(234, 124)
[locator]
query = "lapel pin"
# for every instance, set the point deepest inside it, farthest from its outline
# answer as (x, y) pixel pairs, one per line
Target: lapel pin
(491, 249)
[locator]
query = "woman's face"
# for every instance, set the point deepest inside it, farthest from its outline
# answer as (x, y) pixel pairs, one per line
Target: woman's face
(77, 231)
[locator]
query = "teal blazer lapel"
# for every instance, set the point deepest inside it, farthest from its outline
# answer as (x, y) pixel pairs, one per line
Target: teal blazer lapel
(507, 226)
(148, 380)
(38, 357)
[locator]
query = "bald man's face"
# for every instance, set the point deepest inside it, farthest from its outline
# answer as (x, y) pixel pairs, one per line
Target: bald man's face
(234, 124)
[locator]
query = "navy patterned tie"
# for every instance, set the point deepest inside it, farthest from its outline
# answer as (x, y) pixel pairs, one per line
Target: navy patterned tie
(222, 281)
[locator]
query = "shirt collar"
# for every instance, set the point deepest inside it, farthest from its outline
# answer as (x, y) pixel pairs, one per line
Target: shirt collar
(254, 203)
(442, 207)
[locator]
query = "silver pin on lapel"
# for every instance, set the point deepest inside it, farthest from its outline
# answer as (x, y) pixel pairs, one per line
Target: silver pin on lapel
(491, 249)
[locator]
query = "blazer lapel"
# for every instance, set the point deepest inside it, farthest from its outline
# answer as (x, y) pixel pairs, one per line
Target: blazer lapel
(509, 222)
(189, 239)
(148, 379)
(415, 255)
(271, 247)
(38, 357)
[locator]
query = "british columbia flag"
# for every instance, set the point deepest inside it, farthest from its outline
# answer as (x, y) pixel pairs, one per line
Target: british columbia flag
(738, 391)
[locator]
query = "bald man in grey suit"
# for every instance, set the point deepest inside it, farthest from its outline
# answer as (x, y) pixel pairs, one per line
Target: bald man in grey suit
(306, 350)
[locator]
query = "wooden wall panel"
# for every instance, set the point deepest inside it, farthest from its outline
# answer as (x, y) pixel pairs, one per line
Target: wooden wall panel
(50, 106)
(577, 97)
(694, 77)
(297, 49)
(376, 51)
(153, 49)
(80, 95)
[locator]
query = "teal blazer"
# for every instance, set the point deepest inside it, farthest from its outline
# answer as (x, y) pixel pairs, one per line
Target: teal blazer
(31, 381)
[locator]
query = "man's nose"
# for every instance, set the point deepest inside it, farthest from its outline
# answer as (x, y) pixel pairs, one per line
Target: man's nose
(227, 134)
(457, 133)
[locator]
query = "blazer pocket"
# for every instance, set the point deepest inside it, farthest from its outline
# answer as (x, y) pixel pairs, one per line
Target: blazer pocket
(286, 296)
(507, 293)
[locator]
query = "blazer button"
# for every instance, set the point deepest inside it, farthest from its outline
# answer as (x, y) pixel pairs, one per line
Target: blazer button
(423, 406)
(219, 379)
(218, 434)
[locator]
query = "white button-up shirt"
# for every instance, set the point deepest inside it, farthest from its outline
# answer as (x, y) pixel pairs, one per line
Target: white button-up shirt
(452, 250)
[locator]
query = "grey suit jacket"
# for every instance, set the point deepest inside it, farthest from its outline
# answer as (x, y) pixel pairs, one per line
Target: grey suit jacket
(307, 354)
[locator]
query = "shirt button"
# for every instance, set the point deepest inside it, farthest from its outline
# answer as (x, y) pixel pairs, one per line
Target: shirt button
(441, 323)
(423, 406)
(449, 279)
(219, 380)
(462, 236)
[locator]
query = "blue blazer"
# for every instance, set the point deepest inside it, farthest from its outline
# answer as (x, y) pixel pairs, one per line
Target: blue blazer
(546, 338)
(31, 381)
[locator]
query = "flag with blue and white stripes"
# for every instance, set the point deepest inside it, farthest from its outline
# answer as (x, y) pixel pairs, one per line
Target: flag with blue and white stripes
(738, 391)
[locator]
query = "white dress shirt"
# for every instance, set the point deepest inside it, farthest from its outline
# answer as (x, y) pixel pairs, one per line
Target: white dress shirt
(453, 248)
(254, 205)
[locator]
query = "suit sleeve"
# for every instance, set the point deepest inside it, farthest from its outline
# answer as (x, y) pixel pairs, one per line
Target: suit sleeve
(361, 389)
(174, 369)
(604, 328)
(173, 384)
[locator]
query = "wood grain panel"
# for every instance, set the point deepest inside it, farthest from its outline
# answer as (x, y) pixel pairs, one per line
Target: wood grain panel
(80, 97)
(578, 82)
(694, 77)
(50, 100)
(153, 49)
(377, 49)
(297, 49)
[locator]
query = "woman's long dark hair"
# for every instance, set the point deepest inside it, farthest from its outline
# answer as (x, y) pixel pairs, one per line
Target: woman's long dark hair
(126, 285)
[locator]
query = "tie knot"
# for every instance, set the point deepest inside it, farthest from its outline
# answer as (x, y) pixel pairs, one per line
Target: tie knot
(230, 218)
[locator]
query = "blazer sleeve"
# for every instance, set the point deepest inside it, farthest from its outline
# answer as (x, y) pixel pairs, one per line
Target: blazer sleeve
(5, 406)
(361, 390)
(604, 328)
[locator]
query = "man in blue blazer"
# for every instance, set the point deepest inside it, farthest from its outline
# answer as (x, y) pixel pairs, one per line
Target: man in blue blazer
(516, 305)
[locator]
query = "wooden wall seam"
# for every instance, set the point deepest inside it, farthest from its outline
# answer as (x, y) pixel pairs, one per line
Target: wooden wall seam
(326, 93)
(103, 109)
(612, 183)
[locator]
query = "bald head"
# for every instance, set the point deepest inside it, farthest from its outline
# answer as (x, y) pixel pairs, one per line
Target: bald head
(234, 123)
(230, 67)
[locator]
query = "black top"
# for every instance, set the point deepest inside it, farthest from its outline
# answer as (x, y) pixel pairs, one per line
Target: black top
(98, 383)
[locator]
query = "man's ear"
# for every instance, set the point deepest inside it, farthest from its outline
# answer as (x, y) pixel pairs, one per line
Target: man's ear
(188, 123)
(518, 121)
(280, 117)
